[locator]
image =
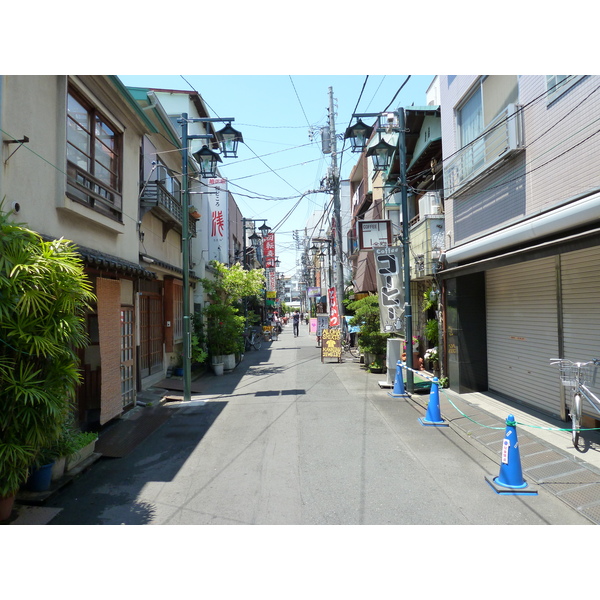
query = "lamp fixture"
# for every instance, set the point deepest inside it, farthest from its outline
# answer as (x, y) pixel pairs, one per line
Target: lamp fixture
(255, 240)
(359, 135)
(207, 159)
(264, 230)
(382, 154)
(229, 138)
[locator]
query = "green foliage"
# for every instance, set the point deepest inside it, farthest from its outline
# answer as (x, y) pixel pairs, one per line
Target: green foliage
(199, 354)
(375, 366)
(224, 330)
(224, 324)
(231, 284)
(432, 330)
(429, 300)
(44, 294)
(366, 315)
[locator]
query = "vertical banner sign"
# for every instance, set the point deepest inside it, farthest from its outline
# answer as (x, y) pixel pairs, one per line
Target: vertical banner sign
(334, 314)
(218, 238)
(269, 258)
(388, 264)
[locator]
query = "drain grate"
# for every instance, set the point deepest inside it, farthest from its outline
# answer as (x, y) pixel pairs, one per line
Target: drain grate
(592, 512)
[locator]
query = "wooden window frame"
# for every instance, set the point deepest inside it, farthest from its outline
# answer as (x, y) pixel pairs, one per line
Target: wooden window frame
(83, 185)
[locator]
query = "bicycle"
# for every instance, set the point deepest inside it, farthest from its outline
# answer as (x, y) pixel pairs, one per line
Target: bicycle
(348, 348)
(573, 376)
(252, 339)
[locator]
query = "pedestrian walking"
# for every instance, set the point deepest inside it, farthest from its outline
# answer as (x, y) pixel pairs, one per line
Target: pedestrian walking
(296, 323)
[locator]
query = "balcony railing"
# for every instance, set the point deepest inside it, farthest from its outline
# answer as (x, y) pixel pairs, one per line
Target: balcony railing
(501, 139)
(165, 205)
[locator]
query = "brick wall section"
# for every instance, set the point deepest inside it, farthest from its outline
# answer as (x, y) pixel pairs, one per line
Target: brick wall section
(109, 326)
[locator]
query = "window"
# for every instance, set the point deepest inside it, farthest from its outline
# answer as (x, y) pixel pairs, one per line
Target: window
(471, 119)
(93, 158)
(557, 85)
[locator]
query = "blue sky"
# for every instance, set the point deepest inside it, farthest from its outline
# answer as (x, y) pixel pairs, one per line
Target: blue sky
(276, 114)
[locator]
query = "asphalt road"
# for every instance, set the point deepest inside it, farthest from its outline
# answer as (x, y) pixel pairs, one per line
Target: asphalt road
(288, 440)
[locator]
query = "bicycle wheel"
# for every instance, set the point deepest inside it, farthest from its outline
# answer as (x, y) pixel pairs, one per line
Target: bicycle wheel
(575, 419)
(354, 351)
(257, 342)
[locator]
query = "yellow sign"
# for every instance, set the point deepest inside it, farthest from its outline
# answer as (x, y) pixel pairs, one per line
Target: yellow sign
(331, 343)
(271, 294)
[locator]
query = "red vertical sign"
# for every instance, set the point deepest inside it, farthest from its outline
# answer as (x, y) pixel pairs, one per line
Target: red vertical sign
(269, 251)
(334, 314)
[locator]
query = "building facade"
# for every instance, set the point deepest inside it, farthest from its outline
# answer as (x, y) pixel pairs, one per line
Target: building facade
(71, 152)
(522, 199)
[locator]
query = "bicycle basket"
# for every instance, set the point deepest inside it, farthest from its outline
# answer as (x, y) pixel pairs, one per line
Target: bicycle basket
(569, 373)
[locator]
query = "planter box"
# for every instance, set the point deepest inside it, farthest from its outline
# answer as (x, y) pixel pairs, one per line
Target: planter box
(58, 469)
(78, 457)
(229, 362)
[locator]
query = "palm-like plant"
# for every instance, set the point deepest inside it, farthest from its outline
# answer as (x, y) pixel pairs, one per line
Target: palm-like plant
(44, 294)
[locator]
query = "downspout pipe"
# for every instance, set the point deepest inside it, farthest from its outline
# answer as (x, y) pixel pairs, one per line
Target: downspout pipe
(569, 216)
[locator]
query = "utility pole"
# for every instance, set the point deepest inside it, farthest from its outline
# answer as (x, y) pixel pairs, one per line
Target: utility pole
(335, 176)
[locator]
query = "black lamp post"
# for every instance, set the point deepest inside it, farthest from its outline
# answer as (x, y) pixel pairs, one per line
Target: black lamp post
(207, 161)
(382, 154)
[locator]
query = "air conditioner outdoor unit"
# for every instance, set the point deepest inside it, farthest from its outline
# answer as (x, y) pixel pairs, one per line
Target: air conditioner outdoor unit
(430, 204)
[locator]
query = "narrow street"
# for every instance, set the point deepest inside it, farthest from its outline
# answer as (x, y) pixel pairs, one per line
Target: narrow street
(287, 439)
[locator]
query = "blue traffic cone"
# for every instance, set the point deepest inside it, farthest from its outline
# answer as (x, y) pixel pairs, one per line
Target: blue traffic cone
(398, 382)
(433, 417)
(510, 480)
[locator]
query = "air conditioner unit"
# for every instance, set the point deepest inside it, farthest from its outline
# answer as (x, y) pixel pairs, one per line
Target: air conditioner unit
(430, 204)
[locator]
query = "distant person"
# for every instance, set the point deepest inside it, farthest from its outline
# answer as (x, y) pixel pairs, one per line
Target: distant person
(296, 323)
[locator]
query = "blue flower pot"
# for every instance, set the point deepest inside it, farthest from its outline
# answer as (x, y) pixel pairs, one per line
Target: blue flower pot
(40, 478)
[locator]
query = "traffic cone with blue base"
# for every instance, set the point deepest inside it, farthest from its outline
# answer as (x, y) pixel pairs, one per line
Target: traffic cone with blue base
(433, 417)
(398, 382)
(510, 481)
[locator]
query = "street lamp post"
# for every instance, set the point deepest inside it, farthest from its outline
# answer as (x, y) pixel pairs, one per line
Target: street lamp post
(207, 161)
(382, 154)
(255, 240)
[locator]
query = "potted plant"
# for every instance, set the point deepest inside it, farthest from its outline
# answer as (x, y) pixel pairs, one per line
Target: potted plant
(40, 473)
(371, 341)
(224, 324)
(224, 332)
(376, 367)
(432, 356)
(45, 295)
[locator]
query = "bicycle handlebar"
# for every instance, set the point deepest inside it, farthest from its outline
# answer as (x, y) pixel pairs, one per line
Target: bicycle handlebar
(558, 361)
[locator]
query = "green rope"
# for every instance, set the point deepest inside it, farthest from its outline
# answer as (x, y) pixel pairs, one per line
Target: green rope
(514, 423)
(508, 423)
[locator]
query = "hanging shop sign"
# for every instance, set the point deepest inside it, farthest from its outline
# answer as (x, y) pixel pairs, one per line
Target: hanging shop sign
(374, 234)
(218, 239)
(388, 265)
(331, 344)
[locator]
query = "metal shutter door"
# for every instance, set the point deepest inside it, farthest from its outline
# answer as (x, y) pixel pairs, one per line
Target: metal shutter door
(522, 328)
(581, 317)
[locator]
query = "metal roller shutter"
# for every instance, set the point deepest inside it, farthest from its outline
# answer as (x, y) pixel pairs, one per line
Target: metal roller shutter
(581, 317)
(522, 326)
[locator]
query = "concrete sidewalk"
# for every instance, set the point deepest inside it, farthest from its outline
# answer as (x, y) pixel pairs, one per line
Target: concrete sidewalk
(548, 457)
